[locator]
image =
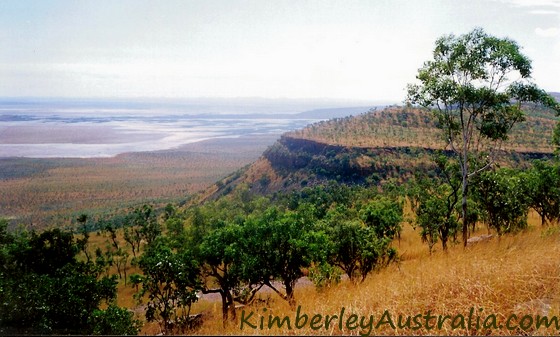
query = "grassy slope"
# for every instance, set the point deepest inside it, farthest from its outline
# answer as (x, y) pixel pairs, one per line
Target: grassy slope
(503, 277)
(511, 275)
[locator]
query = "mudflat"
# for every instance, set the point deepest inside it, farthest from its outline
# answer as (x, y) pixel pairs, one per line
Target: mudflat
(46, 133)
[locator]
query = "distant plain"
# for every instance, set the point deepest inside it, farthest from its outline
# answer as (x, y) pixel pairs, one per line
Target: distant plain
(61, 159)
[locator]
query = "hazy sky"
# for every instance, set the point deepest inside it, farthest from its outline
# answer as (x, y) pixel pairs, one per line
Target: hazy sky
(367, 50)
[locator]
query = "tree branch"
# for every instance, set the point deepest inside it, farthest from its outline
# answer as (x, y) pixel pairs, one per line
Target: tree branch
(250, 299)
(268, 284)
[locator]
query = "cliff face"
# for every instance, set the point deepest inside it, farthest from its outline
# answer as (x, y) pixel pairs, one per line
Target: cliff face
(343, 163)
(293, 163)
(367, 149)
(295, 154)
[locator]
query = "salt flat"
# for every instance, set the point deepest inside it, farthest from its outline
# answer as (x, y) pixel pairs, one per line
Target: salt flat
(46, 132)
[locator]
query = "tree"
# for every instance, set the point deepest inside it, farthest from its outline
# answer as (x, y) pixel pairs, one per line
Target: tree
(219, 254)
(171, 281)
(358, 250)
(44, 288)
(6, 238)
(279, 244)
(436, 216)
(347, 238)
(83, 242)
(114, 321)
(556, 137)
(114, 253)
(144, 218)
(542, 187)
(120, 259)
(142, 226)
(502, 199)
(133, 237)
(435, 202)
(384, 216)
(476, 84)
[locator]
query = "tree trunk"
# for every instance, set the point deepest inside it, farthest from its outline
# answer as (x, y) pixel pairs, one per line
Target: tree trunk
(349, 270)
(224, 308)
(464, 191)
(290, 294)
(444, 237)
(231, 305)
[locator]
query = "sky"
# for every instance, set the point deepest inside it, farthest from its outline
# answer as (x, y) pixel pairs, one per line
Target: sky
(348, 49)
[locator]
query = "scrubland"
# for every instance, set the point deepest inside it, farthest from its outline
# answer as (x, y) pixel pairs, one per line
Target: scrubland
(37, 192)
(490, 281)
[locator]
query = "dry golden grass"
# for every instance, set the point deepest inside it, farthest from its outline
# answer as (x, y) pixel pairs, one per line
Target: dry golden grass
(511, 275)
(499, 277)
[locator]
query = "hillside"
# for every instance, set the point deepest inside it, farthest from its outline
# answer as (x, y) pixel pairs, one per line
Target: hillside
(393, 142)
(306, 233)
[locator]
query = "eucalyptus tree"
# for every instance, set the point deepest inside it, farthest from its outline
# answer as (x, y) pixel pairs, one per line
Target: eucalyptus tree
(476, 84)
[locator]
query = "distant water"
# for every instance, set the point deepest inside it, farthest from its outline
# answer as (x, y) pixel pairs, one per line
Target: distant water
(46, 129)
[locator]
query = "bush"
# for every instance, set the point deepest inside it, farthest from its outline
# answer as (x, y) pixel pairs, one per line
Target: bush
(324, 275)
(114, 321)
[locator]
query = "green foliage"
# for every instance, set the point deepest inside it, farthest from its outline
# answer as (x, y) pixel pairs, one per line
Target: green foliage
(322, 197)
(176, 231)
(46, 253)
(281, 243)
(542, 187)
(133, 237)
(145, 218)
(324, 275)
(502, 199)
(171, 281)
(556, 138)
(44, 288)
(436, 216)
(114, 321)
(435, 199)
(359, 249)
(468, 83)
(141, 226)
(384, 216)
(221, 266)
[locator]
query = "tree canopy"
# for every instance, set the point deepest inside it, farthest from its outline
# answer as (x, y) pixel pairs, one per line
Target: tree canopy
(476, 84)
